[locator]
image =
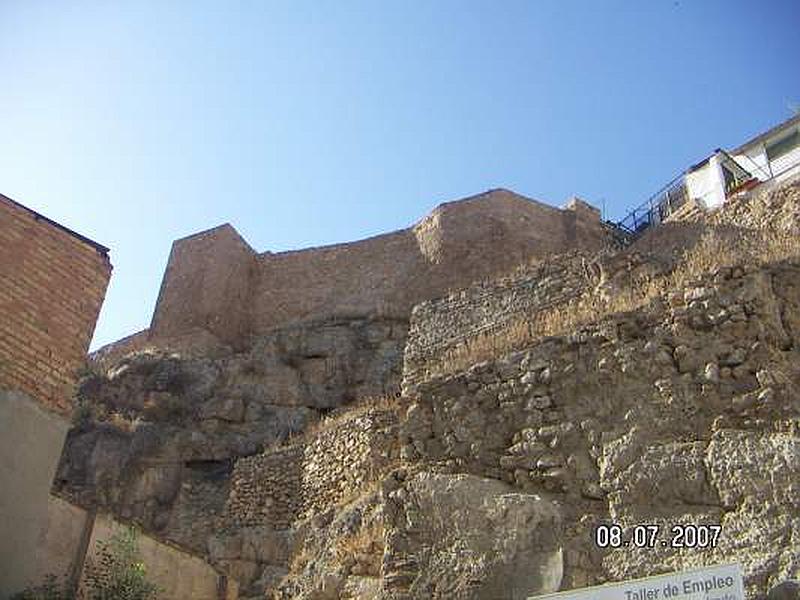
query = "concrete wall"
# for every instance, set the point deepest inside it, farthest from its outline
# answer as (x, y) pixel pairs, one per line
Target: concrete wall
(30, 445)
(181, 576)
(754, 157)
(61, 545)
(69, 542)
(53, 284)
(214, 281)
(706, 185)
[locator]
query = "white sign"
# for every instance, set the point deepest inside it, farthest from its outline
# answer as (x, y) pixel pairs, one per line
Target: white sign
(723, 582)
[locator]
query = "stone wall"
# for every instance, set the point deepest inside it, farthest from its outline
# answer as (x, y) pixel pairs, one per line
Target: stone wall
(444, 324)
(267, 489)
(664, 416)
(216, 282)
(338, 462)
(207, 285)
(279, 486)
(53, 284)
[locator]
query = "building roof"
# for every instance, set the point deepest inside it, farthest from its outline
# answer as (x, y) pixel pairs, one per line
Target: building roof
(39, 217)
(767, 134)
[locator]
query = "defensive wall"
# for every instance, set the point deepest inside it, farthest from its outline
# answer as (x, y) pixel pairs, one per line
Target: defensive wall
(687, 397)
(52, 284)
(216, 283)
(451, 322)
(281, 485)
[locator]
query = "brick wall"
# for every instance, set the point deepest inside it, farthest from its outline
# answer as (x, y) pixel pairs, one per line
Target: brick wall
(52, 284)
(215, 281)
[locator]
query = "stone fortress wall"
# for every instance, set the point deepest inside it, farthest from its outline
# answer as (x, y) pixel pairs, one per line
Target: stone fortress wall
(678, 396)
(696, 391)
(216, 284)
(443, 324)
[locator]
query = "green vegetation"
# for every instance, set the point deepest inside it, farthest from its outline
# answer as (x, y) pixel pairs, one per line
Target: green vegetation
(115, 572)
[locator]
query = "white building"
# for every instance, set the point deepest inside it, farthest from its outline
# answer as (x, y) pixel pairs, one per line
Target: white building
(772, 156)
(775, 154)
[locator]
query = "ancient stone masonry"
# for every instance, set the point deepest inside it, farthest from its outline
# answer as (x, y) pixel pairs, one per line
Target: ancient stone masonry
(52, 284)
(217, 284)
(329, 441)
(683, 413)
(267, 489)
(452, 321)
(280, 486)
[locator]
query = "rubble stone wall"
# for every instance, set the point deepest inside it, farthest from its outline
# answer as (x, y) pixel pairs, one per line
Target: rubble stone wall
(279, 486)
(447, 323)
(643, 417)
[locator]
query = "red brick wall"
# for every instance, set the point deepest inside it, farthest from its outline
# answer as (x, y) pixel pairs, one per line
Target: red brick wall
(52, 285)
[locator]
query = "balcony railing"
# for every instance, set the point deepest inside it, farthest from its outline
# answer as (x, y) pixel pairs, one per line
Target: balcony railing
(657, 207)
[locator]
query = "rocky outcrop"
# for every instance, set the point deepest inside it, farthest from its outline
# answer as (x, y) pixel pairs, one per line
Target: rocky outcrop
(680, 414)
(460, 536)
(663, 392)
(157, 435)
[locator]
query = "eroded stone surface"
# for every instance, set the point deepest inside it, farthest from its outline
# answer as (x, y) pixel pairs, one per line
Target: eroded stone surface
(460, 536)
(490, 476)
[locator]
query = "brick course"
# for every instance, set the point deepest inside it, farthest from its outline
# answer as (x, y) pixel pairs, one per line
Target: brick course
(52, 285)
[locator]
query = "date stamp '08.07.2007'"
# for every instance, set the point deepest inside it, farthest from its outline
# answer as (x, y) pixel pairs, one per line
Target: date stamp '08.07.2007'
(688, 535)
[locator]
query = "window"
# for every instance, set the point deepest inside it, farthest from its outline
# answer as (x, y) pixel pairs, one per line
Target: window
(784, 145)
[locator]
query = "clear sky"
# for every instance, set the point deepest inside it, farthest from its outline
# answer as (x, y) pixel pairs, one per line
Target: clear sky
(136, 123)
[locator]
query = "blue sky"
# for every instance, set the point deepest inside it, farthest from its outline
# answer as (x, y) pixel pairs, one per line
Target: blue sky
(303, 124)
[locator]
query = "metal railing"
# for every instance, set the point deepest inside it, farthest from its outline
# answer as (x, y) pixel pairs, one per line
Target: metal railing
(657, 207)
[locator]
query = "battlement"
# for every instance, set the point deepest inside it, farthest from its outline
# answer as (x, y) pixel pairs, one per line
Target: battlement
(217, 283)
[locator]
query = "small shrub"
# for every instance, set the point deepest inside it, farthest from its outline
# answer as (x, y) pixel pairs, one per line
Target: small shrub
(117, 572)
(299, 560)
(82, 414)
(89, 369)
